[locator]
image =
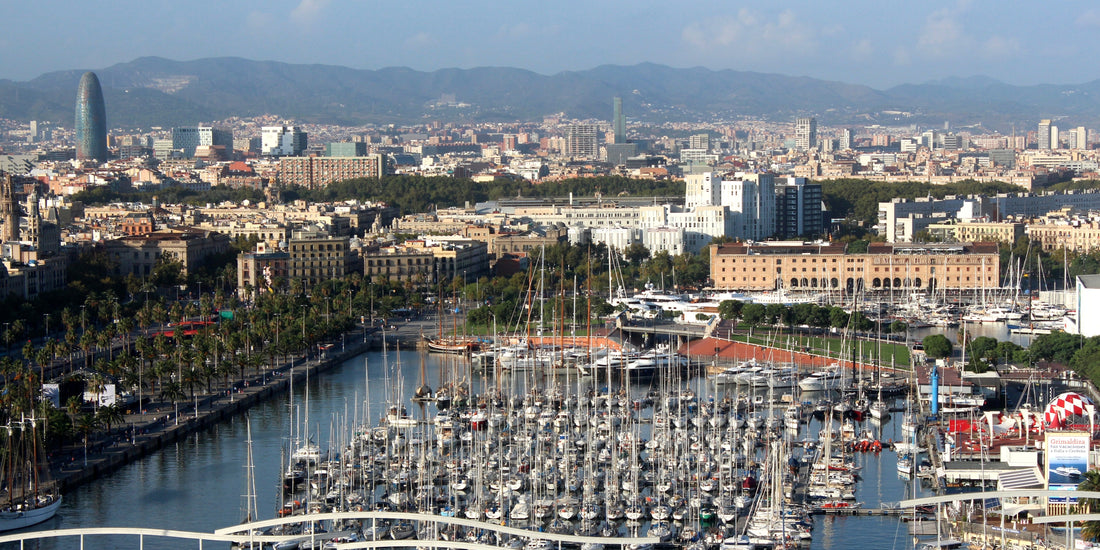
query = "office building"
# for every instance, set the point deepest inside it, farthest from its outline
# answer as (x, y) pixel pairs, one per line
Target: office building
(798, 208)
(346, 149)
(91, 120)
(1078, 138)
(581, 141)
(618, 122)
(1043, 135)
(699, 141)
(282, 141)
(805, 133)
(847, 136)
(189, 138)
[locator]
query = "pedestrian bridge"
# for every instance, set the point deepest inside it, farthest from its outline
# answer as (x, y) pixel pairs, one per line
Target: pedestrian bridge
(247, 533)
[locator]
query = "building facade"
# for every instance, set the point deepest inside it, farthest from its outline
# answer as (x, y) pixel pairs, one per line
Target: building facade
(582, 141)
(805, 133)
(189, 138)
(828, 266)
(798, 208)
(138, 254)
(262, 271)
(282, 141)
(320, 171)
(316, 260)
(400, 263)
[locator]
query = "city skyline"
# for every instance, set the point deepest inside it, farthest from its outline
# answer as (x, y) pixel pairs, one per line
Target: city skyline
(1025, 45)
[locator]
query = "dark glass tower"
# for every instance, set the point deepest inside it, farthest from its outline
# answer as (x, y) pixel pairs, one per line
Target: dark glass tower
(91, 120)
(618, 123)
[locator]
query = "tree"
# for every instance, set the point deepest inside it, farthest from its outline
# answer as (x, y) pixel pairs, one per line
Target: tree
(730, 309)
(636, 254)
(753, 313)
(1090, 530)
(898, 326)
(937, 346)
(108, 416)
(1057, 346)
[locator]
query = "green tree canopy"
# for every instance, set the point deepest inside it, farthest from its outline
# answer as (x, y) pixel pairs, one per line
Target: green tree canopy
(937, 346)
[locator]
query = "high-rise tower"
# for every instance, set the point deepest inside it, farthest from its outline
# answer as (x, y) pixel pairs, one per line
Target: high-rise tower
(618, 123)
(1043, 137)
(805, 133)
(91, 120)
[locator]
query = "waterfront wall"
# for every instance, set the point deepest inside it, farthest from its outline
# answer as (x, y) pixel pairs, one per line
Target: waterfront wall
(151, 432)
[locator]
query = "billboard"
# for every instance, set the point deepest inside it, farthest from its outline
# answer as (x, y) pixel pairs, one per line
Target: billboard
(51, 393)
(1067, 458)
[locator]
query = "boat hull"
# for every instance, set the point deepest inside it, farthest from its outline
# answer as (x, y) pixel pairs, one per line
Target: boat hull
(18, 519)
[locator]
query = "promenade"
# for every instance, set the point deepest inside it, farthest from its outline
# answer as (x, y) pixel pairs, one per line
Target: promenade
(140, 433)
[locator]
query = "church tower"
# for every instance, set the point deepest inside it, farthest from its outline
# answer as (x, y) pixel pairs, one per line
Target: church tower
(9, 210)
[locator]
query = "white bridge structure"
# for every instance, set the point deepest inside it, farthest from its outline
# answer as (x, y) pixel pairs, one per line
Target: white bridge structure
(249, 534)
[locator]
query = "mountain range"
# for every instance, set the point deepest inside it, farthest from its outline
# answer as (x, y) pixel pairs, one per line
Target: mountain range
(153, 91)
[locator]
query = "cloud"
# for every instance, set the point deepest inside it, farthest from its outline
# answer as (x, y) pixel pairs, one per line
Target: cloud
(420, 40)
(946, 35)
(514, 32)
(902, 57)
(999, 47)
(751, 32)
(862, 50)
(259, 21)
(1088, 19)
(307, 10)
(941, 34)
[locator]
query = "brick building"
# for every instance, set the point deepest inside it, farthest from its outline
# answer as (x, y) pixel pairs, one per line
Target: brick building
(827, 266)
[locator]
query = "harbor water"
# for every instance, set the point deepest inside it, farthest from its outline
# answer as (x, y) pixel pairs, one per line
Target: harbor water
(199, 483)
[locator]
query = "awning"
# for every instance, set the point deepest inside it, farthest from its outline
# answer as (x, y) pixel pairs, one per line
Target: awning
(1013, 509)
(1026, 478)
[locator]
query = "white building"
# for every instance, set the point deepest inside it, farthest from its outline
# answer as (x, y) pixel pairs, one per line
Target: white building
(669, 239)
(752, 198)
(282, 141)
(702, 190)
(615, 237)
(1088, 306)
(805, 133)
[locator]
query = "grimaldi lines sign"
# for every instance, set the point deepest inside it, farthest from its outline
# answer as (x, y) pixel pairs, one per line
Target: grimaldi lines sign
(1067, 458)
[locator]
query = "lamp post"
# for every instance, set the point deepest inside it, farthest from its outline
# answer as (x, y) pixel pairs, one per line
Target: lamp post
(277, 323)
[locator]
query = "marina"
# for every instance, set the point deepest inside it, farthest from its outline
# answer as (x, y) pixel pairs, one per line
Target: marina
(213, 495)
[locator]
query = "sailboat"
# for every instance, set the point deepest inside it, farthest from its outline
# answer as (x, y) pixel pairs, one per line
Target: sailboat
(29, 500)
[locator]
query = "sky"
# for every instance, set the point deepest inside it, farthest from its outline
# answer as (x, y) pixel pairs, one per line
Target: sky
(876, 43)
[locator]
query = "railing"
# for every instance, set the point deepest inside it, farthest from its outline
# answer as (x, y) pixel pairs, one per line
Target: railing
(247, 533)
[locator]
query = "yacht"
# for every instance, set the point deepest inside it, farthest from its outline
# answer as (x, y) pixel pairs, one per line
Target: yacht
(825, 380)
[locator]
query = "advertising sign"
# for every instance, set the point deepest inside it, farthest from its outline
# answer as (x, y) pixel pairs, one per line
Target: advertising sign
(1067, 458)
(52, 394)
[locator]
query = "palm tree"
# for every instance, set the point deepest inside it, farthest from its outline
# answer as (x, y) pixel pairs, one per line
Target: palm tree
(73, 406)
(172, 391)
(86, 424)
(1090, 530)
(108, 415)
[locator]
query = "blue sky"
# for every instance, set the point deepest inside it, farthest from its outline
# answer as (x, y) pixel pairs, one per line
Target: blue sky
(877, 43)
